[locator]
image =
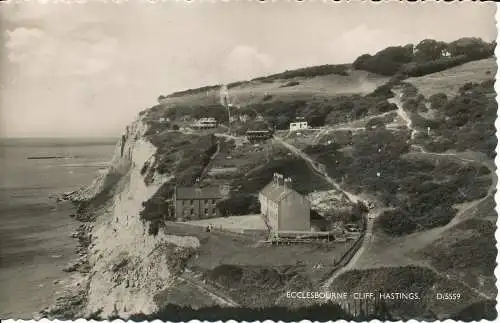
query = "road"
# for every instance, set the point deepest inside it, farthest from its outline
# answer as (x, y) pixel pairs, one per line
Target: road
(368, 237)
(318, 168)
(404, 115)
(353, 198)
(401, 112)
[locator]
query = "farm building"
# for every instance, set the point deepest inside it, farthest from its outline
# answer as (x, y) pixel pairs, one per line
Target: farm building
(193, 203)
(284, 208)
(205, 123)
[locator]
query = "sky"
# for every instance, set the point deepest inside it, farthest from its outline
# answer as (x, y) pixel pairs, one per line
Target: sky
(87, 68)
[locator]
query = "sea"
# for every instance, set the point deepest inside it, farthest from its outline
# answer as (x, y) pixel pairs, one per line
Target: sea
(35, 229)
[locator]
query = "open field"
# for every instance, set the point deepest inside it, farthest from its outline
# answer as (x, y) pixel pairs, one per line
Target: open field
(450, 80)
(237, 262)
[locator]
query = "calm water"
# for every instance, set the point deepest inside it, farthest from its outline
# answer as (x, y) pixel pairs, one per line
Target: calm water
(35, 242)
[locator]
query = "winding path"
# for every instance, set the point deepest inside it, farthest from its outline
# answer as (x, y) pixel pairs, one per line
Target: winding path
(353, 198)
(368, 235)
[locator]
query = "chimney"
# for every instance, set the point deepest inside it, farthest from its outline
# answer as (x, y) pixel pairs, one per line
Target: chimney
(279, 179)
(288, 182)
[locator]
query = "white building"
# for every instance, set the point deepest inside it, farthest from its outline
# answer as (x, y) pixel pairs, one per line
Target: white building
(284, 209)
(298, 125)
(205, 123)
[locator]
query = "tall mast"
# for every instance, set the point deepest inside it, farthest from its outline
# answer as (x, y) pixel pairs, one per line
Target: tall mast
(224, 95)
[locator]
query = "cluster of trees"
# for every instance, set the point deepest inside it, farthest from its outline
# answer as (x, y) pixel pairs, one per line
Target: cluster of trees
(428, 56)
(387, 61)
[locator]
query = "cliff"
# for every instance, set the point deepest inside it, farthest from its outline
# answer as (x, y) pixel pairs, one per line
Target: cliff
(127, 265)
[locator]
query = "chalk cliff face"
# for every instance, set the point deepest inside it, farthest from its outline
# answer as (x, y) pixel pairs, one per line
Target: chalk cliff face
(128, 266)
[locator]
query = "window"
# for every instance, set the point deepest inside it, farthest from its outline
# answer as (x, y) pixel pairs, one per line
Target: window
(206, 211)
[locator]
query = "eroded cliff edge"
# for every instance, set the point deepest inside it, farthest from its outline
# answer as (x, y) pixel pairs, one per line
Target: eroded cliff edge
(126, 265)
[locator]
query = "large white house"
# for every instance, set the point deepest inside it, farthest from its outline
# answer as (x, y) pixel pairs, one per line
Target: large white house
(284, 209)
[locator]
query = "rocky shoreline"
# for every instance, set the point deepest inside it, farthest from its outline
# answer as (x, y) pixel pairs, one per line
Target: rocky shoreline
(71, 304)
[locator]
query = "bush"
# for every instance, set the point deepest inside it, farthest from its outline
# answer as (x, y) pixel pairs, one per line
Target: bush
(428, 57)
(434, 66)
(240, 204)
(471, 47)
(386, 62)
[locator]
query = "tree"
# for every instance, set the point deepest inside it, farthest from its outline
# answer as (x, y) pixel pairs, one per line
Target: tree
(472, 47)
(429, 49)
(387, 61)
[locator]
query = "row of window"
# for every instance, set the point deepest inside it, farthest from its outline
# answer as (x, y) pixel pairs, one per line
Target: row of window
(207, 212)
(191, 202)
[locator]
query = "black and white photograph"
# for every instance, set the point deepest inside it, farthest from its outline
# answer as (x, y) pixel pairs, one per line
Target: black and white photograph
(248, 160)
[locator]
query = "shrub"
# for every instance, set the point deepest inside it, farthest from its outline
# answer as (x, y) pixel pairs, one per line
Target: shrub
(240, 204)
(386, 62)
(434, 66)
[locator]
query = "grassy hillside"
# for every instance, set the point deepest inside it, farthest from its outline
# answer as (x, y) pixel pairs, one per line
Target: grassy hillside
(467, 251)
(451, 80)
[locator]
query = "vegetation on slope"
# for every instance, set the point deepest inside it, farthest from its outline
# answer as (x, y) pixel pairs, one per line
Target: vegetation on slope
(464, 122)
(322, 111)
(424, 58)
(422, 191)
(468, 250)
(180, 155)
(243, 198)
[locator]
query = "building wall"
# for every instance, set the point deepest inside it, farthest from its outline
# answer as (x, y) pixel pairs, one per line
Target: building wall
(294, 213)
(195, 209)
(270, 210)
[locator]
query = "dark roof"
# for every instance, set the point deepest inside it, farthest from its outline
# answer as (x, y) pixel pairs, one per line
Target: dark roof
(277, 192)
(197, 193)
